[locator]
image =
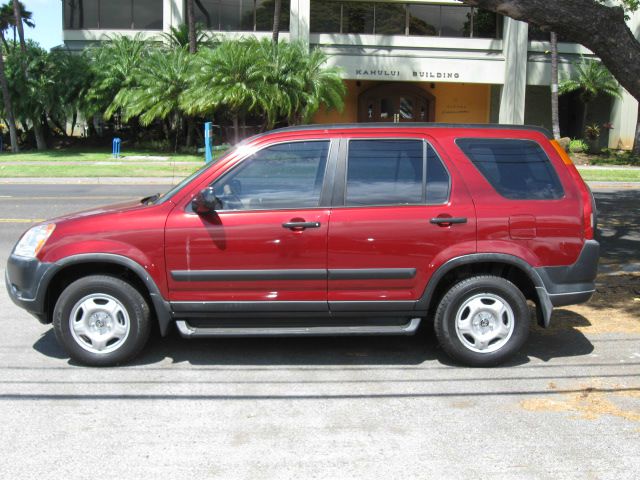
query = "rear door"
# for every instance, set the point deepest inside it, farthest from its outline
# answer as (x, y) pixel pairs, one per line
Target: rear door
(398, 213)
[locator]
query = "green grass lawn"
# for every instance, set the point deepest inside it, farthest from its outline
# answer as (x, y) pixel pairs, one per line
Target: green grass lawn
(171, 169)
(611, 175)
(94, 155)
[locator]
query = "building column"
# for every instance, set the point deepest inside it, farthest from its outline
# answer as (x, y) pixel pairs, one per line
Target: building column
(624, 111)
(173, 14)
(299, 23)
(624, 115)
(515, 41)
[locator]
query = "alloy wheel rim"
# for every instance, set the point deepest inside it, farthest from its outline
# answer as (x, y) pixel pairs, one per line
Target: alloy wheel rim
(99, 323)
(484, 323)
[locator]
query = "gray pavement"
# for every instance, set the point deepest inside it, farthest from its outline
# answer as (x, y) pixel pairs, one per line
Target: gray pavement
(567, 407)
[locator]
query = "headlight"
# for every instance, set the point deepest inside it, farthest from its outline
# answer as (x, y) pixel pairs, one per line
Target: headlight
(33, 241)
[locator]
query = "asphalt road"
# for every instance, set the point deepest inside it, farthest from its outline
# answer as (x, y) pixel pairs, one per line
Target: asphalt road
(567, 407)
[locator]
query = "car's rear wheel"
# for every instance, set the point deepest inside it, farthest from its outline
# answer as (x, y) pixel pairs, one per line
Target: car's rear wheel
(101, 320)
(482, 321)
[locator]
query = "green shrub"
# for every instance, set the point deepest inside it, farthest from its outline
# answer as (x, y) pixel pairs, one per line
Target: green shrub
(577, 145)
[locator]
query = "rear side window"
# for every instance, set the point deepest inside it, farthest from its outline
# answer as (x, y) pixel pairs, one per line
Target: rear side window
(395, 172)
(385, 172)
(517, 169)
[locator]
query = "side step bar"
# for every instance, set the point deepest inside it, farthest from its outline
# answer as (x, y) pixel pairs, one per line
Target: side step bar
(189, 331)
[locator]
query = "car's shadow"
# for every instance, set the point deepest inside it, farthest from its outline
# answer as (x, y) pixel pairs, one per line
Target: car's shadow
(563, 340)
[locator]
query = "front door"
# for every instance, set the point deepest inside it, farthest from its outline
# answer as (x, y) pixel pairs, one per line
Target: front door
(388, 236)
(396, 103)
(266, 247)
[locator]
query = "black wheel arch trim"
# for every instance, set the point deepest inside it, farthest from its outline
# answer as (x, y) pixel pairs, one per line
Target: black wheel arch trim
(545, 306)
(161, 306)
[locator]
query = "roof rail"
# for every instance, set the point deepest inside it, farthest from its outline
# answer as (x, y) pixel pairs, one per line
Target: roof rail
(490, 126)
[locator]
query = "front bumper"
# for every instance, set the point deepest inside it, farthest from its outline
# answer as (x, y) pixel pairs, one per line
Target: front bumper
(23, 278)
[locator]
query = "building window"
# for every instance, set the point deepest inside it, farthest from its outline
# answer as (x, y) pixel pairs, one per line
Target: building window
(240, 15)
(403, 19)
(113, 14)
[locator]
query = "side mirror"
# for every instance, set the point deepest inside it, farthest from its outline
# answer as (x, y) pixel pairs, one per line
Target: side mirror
(206, 202)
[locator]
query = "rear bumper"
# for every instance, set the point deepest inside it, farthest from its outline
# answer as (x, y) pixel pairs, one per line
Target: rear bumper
(574, 283)
(23, 279)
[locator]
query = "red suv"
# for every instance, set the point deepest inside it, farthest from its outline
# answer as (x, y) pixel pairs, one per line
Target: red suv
(327, 230)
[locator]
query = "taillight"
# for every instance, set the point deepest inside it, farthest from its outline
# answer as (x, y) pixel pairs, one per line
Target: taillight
(588, 213)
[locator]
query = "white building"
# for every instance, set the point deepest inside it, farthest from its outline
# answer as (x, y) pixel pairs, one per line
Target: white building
(409, 60)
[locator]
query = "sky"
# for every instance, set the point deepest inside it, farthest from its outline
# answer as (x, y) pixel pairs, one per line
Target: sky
(47, 15)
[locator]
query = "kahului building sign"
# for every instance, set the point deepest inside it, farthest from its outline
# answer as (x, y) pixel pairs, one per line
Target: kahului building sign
(423, 75)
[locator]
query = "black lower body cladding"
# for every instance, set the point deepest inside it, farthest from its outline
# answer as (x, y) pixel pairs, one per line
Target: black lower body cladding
(574, 283)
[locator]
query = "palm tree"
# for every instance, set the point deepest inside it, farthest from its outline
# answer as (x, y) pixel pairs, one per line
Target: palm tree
(8, 104)
(233, 76)
(299, 83)
(322, 86)
(156, 88)
(276, 21)
(21, 16)
(592, 79)
(113, 63)
(191, 22)
(178, 37)
(7, 13)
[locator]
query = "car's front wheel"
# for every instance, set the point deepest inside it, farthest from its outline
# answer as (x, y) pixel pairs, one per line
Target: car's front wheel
(482, 321)
(101, 320)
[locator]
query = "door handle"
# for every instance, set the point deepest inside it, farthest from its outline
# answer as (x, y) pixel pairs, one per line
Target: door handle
(300, 225)
(444, 221)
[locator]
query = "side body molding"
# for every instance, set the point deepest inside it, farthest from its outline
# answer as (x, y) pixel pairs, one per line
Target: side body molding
(545, 306)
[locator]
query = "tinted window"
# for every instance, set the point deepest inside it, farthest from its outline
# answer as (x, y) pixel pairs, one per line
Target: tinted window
(240, 15)
(385, 172)
(437, 178)
(325, 16)
(80, 14)
(517, 169)
(454, 20)
(288, 175)
(357, 17)
(147, 14)
(116, 14)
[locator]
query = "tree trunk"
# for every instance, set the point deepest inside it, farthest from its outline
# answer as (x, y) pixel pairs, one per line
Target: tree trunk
(584, 117)
(41, 142)
(555, 117)
(17, 13)
(37, 126)
(190, 127)
(74, 119)
(191, 22)
(59, 126)
(236, 129)
(276, 21)
(608, 37)
(8, 107)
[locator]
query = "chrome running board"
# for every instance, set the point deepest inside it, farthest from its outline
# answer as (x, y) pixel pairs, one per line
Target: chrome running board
(190, 331)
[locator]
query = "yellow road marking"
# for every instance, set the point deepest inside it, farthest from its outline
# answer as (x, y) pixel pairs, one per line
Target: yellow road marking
(21, 220)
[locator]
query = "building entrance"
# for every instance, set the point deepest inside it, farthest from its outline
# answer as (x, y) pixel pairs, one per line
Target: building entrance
(396, 102)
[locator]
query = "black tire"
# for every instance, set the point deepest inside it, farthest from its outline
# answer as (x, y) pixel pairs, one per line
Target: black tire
(482, 289)
(132, 315)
